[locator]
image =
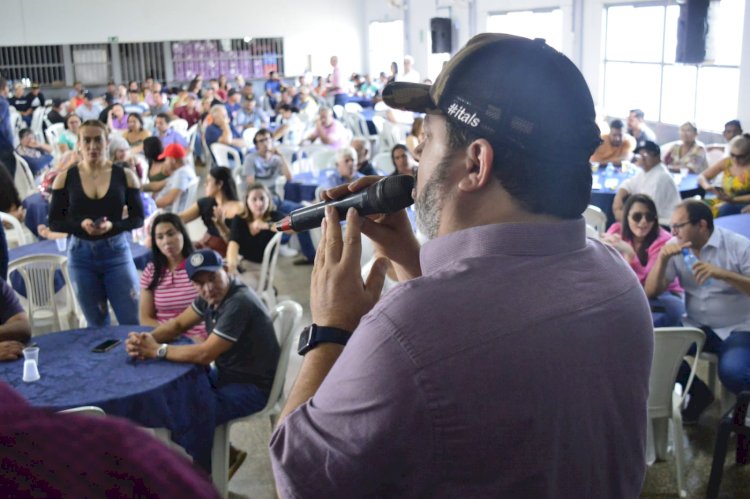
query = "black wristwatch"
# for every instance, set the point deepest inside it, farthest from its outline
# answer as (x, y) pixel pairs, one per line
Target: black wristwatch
(313, 335)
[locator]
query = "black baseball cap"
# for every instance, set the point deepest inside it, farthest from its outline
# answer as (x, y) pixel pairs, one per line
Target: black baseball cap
(205, 260)
(510, 90)
(651, 147)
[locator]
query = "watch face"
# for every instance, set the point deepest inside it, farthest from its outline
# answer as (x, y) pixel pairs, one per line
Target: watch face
(304, 338)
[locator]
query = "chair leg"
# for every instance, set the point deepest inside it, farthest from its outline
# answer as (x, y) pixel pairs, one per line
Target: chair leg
(220, 460)
(661, 437)
(717, 466)
(679, 453)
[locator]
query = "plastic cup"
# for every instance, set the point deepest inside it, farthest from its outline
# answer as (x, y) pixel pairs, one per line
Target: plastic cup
(30, 371)
(61, 243)
(31, 353)
(684, 172)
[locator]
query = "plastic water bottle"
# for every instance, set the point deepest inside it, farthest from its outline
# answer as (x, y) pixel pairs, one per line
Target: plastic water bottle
(690, 260)
(610, 170)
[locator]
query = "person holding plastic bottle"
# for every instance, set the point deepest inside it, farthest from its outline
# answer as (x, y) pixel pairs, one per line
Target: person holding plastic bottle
(715, 274)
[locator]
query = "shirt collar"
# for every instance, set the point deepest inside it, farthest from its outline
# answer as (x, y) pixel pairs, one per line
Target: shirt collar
(511, 239)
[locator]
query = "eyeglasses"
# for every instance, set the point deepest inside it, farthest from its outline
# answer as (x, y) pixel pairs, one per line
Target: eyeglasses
(637, 217)
(679, 226)
(741, 158)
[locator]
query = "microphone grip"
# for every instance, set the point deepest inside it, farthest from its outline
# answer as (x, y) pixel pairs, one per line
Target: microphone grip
(311, 216)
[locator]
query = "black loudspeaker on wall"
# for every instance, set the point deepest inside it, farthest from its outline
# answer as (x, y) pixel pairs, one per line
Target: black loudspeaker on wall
(441, 35)
(692, 28)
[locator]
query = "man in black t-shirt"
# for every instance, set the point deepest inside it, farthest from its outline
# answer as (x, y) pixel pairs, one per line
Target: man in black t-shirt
(241, 338)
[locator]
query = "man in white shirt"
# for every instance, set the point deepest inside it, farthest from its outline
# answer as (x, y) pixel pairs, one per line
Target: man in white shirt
(717, 295)
(179, 180)
(89, 110)
(654, 180)
(410, 74)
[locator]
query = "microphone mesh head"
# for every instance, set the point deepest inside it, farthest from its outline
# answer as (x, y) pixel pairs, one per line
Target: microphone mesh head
(396, 193)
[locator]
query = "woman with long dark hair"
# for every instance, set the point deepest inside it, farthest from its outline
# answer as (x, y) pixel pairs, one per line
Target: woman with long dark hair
(251, 233)
(216, 210)
(639, 239)
(166, 289)
(88, 202)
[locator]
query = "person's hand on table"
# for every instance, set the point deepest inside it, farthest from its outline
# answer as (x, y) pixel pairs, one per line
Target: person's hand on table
(391, 233)
(336, 275)
(141, 345)
(10, 350)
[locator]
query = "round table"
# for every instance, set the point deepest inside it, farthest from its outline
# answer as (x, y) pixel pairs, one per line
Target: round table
(736, 223)
(153, 393)
(604, 188)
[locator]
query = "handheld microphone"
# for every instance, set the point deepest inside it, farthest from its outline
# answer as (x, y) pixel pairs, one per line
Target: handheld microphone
(387, 195)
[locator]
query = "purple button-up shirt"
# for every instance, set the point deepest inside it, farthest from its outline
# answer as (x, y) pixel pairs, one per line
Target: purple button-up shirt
(171, 137)
(516, 366)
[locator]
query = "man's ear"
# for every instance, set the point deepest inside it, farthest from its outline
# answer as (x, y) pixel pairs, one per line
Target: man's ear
(478, 166)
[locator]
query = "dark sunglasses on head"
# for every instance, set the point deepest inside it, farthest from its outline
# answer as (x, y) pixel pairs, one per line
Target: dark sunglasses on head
(638, 216)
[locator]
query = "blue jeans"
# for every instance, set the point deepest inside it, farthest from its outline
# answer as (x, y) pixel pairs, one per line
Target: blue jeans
(730, 209)
(672, 307)
(305, 242)
(734, 363)
(235, 400)
(103, 271)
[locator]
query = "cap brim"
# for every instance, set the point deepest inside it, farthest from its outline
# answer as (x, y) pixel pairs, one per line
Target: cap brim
(207, 268)
(409, 97)
(162, 156)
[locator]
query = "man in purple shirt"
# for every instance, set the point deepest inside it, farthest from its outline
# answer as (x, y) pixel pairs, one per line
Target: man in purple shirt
(513, 359)
(329, 130)
(165, 134)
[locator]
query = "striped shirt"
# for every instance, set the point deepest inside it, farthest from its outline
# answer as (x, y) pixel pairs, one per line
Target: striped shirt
(172, 296)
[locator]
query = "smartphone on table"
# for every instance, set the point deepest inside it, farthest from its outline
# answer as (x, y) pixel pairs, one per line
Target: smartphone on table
(106, 346)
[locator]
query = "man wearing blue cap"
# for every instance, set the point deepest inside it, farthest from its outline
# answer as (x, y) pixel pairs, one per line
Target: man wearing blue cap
(513, 359)
(241, 338)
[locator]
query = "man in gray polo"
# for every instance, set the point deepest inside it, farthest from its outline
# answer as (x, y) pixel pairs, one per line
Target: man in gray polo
(513, 359)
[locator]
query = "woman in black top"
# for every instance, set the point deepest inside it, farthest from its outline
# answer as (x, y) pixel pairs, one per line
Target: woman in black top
(88, 202)
(216, 210)
(251, 232)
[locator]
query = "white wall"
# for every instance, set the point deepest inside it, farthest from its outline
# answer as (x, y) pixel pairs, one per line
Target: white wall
(311, 28)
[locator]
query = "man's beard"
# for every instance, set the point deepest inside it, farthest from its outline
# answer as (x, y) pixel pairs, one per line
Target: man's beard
(429, 202)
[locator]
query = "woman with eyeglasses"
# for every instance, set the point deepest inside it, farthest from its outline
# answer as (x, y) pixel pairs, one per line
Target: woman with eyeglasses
(734, 192)
(639, 239)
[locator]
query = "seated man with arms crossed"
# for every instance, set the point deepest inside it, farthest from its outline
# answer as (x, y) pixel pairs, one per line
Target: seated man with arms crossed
(241, 339)
(15, 329)
(653, 180)
(717, 296)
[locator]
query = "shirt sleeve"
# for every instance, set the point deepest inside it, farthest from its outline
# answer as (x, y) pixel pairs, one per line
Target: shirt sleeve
(368, 422)
(9, 304)
(135, 211)
(248, 167)
(199, 306)
(235, 229)
(61, 218)
(147, 276)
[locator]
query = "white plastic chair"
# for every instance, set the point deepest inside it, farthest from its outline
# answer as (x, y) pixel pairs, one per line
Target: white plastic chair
(224, 153)
(595, 218)
(24, 179)
(286, 317)
(37, 119)
(268, 272)
(248, 134)
(390, 135)
(53, 133)
(322, 159)
(664, 402)
(287, 151)
(383, 162)
(180, 126)
(38, 274)
(15, 236)
(190, 138)
(86, 410)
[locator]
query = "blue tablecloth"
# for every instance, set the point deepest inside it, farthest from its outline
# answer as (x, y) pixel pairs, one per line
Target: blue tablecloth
(37, 208)
(154, 394)
(141, 257)
(603, 196)
(303, 185)
(736, 223)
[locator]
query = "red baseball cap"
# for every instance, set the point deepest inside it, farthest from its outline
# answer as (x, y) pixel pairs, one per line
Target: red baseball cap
(175, 151)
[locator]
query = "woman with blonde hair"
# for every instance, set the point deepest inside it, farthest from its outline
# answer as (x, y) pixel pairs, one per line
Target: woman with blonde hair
(734, 192)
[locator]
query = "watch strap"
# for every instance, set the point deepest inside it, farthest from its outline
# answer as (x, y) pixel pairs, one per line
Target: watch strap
(314, 335)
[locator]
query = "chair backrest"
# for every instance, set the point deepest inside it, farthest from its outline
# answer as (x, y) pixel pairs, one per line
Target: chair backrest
(208, 158)
(190, 137)
(596, 218)
(248, 134)
(357, 124)
(670, 346)
(268, 271)
(37, 119)
(15, 235)
(287, 151)
(38, 274)
(383, 162)
(188, 197)
(714, 155)
(179, 125)
(286, 317)
(23, 179)
(223, 153)
(390, 135)
(86, 410)
(338, 111)
(322, 159)
(53, 133)
(352, 107)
